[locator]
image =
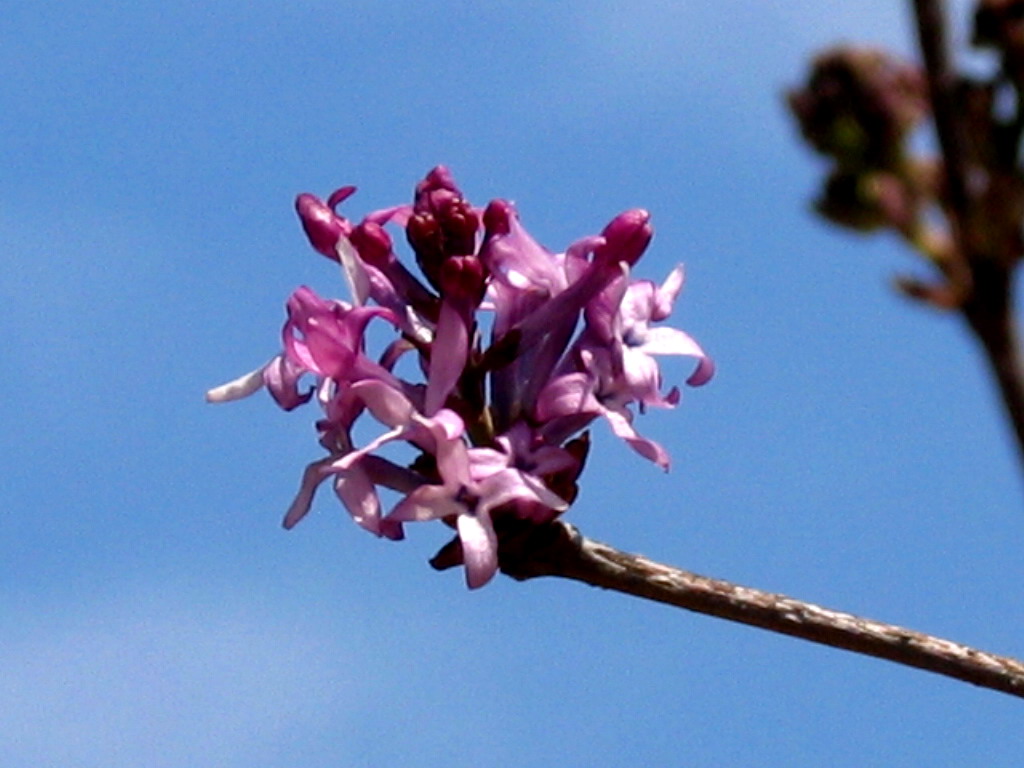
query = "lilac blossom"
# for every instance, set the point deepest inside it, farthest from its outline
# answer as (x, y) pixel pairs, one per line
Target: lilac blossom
(497, 430)
(474, 483)
(622, 342)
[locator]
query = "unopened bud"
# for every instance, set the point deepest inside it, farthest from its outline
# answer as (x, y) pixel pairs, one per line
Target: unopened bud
(323, 226)
(464, 280)
(373, 244)
(497, 218)
(424, 236)
(625, 238)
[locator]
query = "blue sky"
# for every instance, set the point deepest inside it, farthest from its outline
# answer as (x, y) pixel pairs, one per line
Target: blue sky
(152, 611)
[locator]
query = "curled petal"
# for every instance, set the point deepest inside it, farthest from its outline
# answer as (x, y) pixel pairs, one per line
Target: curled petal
(281, 377)
(649, 449)
(243, 386)
(339, 196)
(396, 214)
(314, 475)
(326, 337)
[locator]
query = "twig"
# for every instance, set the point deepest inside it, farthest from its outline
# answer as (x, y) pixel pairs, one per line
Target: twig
(942, 85)
(988, 303)
(989, 313)
(560, 550)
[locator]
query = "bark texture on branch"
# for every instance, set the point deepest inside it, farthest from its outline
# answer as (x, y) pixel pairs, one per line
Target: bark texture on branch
(560, 550)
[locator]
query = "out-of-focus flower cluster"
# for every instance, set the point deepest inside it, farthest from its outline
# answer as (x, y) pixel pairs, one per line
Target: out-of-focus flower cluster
(860, 106)
(519, 350)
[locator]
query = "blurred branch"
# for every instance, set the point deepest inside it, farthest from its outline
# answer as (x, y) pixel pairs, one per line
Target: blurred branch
(560, 550)
(988, 272)
(989, 313)
(942, 86)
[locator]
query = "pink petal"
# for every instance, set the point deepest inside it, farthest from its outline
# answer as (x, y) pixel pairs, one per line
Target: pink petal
(359, 496)
(311, 479)
(642, 374)
(667, 294)
(647, 448)
(484, 462)
(664, 340)
(354, 270)
(479, 548)
(672, 341)
(514, 485)
(281, 377)
(705, 370)
(387, 404)
(637, 304)
(453, 463)
(428, 502)
(447, 357)
(349, 460)
(567, 395)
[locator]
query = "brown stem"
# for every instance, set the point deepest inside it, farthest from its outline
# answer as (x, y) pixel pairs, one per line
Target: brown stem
(985, 280)
(989, 313)
(560, 550)
(942, 85)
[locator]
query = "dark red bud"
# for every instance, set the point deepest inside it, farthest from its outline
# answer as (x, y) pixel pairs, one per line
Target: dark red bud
(459, 225)
(626, 237)
(373, 243)
(463, 279)
(498, 217)
(323, 226)
(438, 200)
(440, 178)
(424, 235)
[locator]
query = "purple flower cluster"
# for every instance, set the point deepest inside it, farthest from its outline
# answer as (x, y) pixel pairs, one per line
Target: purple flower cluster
(497, 427)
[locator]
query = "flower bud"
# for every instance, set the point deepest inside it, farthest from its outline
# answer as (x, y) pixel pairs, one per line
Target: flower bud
(373, 244)
(442, 225)
(625, 238)
(424, 236)
(497, 218)
(322, 225)
(464, 280)
(437, 178)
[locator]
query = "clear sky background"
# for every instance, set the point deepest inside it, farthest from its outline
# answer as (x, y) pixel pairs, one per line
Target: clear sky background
(153, 612)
